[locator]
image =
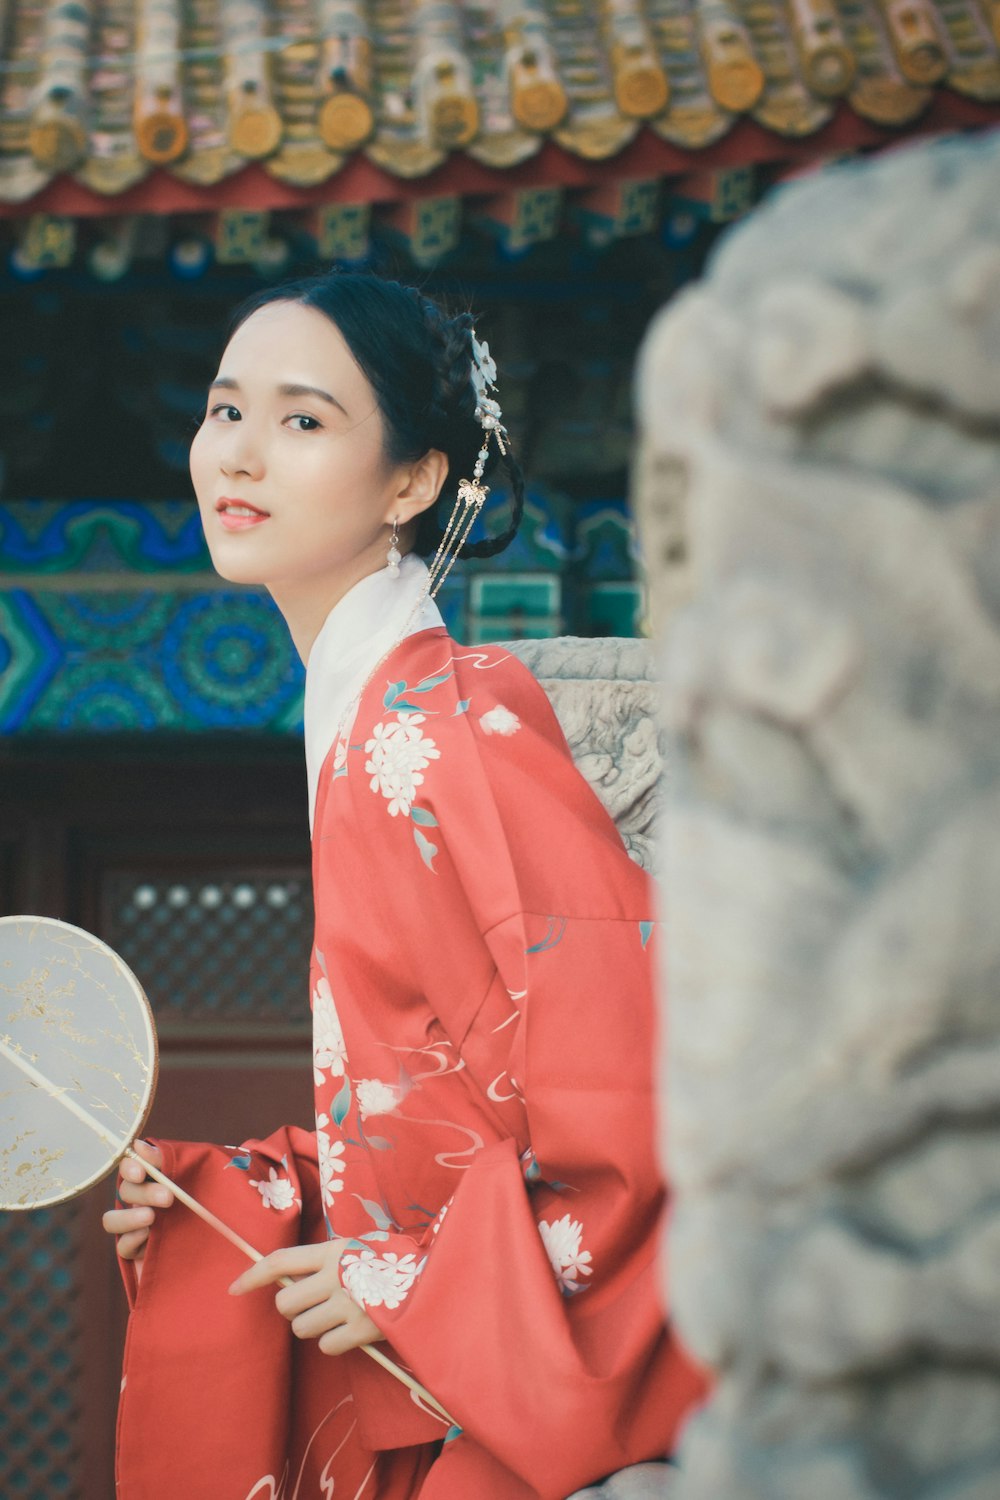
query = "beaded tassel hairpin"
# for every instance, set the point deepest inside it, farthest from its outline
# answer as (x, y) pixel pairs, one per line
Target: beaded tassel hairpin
(471, 492)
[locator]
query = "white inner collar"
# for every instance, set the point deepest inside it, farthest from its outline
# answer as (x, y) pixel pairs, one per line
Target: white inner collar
(368, 622)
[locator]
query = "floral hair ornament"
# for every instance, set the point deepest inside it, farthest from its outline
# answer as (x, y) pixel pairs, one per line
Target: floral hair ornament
(472, 492)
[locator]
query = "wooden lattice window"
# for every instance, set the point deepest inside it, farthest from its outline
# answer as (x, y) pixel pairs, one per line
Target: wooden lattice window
(215, 945)
(42, 1372)
(7, 860)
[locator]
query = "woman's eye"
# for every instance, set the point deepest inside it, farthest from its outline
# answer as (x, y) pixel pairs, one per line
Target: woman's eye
(232, 413)
(312, 422)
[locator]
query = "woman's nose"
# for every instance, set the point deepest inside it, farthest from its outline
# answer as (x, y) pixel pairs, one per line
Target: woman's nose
(240, 454)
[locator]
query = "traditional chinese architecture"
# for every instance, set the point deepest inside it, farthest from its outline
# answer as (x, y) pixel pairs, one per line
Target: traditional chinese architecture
(425, 109)
(567, 165)
(155, 99)
(564, 167)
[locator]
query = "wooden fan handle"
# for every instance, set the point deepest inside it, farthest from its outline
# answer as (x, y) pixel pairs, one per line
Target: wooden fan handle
(241, 1244)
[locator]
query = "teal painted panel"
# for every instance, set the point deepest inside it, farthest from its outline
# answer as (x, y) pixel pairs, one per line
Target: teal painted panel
(134, 659)
(615, 608)
(515, 593)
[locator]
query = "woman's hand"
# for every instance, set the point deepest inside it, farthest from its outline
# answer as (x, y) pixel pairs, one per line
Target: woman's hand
(317, 1305)
(139, 1196)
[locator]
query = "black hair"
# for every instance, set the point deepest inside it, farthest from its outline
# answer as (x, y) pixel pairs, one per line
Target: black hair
(418, 361)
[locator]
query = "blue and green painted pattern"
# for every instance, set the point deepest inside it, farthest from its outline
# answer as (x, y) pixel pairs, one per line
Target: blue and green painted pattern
(112, 620)
(142, 660)
(39, 537)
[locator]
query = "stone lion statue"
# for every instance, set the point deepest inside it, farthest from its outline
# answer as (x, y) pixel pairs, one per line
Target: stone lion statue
(819, 490)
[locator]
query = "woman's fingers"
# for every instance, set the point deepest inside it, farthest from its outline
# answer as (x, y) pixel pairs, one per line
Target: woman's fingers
(340, 1340)
(136, 1185)
(131, 1228)
(336, 1320)
(149, 1152)
(351, 1335)
(295, 1260)
(130, 1246)
(329, 1314)
(303, 1294)
(133, 1169)
(315, 1304)
(124, 1220)
(147, 1193)
(137, 1196)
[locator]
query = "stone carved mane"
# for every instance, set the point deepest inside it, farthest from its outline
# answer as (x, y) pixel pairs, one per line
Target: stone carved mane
(606, 699)
(820, 480)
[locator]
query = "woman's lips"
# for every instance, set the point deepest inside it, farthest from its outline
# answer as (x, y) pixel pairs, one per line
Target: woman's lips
(237, 515)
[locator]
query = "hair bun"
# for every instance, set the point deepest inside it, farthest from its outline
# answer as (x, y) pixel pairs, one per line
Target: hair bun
(453, 397)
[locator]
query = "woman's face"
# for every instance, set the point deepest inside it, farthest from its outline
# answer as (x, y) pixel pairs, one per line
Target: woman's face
(288, 466)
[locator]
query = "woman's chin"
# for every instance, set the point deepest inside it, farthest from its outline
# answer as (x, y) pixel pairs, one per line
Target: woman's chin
(234, 568)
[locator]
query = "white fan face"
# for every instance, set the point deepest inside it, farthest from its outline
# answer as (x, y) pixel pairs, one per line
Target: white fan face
(78, 1061)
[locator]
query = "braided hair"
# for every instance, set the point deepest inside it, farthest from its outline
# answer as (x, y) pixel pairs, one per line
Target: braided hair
(418, 361)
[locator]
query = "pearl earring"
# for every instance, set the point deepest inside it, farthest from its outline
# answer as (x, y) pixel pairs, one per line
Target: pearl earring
(392, 557)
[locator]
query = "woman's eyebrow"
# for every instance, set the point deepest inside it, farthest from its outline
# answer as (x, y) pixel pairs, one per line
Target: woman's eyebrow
(310, 390)
(225, 383)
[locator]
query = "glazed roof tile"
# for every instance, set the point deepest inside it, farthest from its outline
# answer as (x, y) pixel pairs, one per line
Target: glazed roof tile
(109, 90)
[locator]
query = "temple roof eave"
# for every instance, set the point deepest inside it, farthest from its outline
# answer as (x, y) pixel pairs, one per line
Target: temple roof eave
(113, 96)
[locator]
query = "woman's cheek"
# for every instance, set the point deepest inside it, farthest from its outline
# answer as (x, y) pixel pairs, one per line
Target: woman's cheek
(198, 462)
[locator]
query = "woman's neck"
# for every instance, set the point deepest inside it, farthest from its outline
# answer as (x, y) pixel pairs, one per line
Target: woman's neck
(306, 603)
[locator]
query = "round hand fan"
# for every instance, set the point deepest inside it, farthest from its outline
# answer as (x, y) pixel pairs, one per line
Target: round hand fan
(78, 1070)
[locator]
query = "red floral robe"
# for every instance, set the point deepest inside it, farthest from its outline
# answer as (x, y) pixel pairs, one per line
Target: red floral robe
(483, 1041)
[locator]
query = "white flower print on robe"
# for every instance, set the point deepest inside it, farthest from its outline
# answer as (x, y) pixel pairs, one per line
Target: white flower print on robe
(562, 1245)
(499, 720)
(330, 1163)
(375, 1097)
(399, 754)
(277, 1192)
(374, 1281)
(329, 1051)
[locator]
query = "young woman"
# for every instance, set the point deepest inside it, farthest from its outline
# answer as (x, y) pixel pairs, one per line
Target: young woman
(481, 1197)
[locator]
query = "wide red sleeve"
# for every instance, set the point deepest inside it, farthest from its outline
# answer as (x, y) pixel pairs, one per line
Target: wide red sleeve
(218, 1400)
(535, 1316)
(207, 1377)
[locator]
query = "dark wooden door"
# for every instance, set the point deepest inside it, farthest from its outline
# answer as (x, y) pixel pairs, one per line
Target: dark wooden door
(192, 860)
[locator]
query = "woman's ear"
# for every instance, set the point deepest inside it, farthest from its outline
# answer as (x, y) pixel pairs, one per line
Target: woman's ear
(420, 487)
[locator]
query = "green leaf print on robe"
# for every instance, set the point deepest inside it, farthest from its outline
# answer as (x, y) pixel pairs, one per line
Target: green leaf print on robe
(396, 694)
(342, 1103)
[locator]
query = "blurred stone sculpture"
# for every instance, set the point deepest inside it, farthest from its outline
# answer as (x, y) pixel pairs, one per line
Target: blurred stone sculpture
(820, 481)
(605, 696)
